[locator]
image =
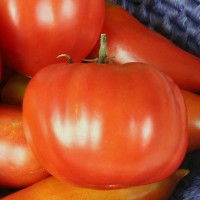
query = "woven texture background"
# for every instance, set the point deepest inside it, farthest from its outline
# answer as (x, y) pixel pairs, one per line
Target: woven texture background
(189, 187)
(178, 20)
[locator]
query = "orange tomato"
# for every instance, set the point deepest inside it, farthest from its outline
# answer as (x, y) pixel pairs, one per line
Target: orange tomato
(54, 189)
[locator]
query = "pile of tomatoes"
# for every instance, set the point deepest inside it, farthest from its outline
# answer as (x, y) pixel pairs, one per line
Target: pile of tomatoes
(94, 105)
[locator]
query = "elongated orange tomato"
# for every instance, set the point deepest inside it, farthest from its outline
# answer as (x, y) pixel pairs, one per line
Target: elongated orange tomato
(53, 189)
(128, 40)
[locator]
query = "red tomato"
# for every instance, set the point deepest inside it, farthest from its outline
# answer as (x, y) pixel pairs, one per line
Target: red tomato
(128, 40)
(193, 109)
(52, 188)
(19, 167)
(35, 32)
(105, 126)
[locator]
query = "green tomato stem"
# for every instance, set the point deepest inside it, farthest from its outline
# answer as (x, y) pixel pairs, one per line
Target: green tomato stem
(102, 53)
(103, 49)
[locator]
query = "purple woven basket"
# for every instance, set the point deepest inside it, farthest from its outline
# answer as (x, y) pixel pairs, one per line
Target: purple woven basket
(178, 20)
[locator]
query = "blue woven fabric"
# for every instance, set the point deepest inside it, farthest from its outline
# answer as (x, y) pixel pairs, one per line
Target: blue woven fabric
(178, 20)
(189, 187)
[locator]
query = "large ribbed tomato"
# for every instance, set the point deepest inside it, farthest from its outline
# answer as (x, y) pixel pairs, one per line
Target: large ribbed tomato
(105, 126)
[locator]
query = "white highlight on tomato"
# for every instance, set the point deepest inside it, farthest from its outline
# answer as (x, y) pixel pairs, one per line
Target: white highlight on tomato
(13, 11)
(69, 9)
(44, 13)
(147, 129)
(123, 55)
(197, 123)
(13, 154)
(80, 132)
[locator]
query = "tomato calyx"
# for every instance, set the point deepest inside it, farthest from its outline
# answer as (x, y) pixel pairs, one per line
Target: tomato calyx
(103, 52)
(103, 57)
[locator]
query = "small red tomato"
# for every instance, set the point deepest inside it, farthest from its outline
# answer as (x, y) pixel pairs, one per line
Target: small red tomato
(18, 165)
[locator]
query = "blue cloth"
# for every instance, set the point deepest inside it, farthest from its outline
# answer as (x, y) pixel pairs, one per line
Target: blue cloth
(189, 187)
(178, 20)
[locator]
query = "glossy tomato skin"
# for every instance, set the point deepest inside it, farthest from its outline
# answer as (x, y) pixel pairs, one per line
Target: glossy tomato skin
(54, 189)
(192, 102)
(105, 126)
(19, 167)
(35, 32)
(128, 40)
